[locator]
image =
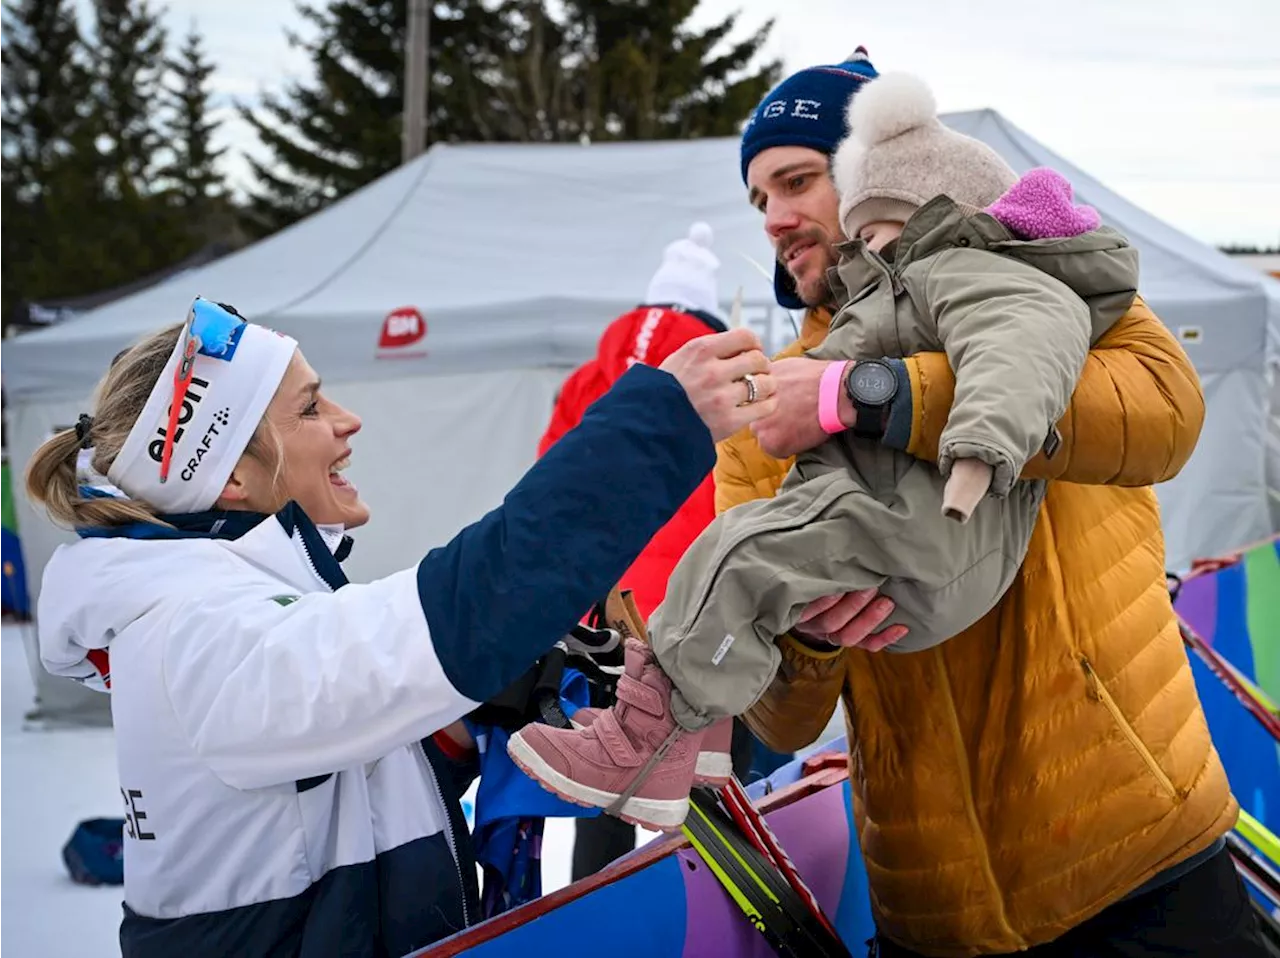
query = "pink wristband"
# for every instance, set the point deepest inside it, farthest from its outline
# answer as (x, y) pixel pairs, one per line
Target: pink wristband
(829, 398)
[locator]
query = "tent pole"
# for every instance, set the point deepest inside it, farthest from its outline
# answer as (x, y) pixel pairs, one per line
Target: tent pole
(414, 139)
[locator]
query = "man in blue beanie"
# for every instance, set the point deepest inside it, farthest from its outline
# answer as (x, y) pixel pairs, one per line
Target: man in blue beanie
(945, 752)
(799, 125)
(787, 146)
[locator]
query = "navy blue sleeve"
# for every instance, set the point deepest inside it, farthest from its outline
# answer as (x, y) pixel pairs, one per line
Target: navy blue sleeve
(509, 586)
(897, 433)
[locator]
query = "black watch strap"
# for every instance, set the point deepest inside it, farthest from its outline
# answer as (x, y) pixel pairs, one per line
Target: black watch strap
(871, 421)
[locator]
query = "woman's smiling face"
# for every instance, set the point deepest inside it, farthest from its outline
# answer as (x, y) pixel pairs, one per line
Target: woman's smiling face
(311, 436)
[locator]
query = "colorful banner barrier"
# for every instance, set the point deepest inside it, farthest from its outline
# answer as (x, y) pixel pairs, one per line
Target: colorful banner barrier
(17, 601)
(1236, 610)
(662, 901)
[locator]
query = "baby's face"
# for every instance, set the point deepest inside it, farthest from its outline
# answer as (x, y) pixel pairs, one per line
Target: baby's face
(880, 234)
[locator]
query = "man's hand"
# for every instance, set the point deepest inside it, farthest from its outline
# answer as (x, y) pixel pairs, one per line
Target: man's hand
(850, 620)
(794, 427)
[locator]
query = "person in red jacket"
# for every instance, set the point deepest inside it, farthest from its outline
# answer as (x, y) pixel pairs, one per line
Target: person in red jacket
(681, 303)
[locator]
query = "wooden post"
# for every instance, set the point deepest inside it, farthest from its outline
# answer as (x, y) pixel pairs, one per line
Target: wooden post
(417, 38)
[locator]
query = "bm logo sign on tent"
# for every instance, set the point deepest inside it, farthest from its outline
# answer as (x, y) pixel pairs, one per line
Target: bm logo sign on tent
(403, 327)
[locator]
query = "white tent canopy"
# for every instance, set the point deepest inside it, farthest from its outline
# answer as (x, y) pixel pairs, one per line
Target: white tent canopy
(518, 255)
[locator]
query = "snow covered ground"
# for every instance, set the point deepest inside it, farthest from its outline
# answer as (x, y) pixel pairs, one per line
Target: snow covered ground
(49, 781)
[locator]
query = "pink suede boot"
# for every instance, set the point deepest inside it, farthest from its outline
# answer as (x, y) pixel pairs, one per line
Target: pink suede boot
(715, 761)
(632, 760)
(714, 767)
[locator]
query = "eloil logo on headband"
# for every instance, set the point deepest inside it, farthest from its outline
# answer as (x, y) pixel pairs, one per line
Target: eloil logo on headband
(194, 393)
(212, 330)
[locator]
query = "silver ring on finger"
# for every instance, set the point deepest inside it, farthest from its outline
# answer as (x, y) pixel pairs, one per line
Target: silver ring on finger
(753, 392)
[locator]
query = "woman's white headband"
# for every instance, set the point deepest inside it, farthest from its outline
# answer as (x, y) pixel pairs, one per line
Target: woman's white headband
(203, 411)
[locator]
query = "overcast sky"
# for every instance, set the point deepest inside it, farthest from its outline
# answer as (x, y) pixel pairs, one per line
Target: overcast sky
(1173, 103)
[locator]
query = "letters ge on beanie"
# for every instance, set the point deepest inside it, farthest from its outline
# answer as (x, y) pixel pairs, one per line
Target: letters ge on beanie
(806, 109)
(898, 156)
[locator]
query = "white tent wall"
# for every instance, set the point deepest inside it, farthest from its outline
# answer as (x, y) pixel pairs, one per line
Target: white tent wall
(58, 700)
(1272, 471)
(518, 255)
(436, 454)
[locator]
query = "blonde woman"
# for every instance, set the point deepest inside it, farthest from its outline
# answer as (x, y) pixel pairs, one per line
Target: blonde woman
(274, 724)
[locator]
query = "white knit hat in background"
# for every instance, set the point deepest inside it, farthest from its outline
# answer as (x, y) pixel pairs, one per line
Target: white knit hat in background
(898, 156)
(687, 276)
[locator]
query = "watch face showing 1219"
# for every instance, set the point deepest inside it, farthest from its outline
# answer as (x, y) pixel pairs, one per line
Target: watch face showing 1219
(872, 383)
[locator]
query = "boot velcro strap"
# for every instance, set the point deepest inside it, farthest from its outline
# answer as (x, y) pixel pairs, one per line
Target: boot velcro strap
(644, 697)
(614, 740)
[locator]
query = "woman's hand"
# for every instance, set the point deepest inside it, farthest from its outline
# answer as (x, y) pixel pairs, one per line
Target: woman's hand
(713, 370)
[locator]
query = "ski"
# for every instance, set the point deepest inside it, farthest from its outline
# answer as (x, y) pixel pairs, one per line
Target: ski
(1255, 865)
(743, 883)
(1260, 837)
(800, 903)
(1254, 882)
(1269, 927)
(734, 876)
(766, 897)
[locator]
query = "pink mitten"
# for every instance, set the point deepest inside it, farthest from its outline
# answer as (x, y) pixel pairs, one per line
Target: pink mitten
(1040, 206)
(968, 483)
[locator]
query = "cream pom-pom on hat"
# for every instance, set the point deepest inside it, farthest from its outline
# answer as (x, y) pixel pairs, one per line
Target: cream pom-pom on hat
(898, 156)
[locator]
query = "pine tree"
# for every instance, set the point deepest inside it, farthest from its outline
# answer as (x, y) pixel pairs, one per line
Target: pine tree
(655, 77)
(527, 83)
(523, 70)
(83, 207)
(144, 228)
(45, 85)
(15, 248)
(192, 173)
(46, 131)
(341, 130)
(128, 60)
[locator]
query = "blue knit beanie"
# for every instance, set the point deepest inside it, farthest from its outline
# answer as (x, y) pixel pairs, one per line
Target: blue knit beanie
(806, 109)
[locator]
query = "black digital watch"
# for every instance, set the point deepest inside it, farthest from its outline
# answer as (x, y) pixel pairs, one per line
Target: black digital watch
(871, 385)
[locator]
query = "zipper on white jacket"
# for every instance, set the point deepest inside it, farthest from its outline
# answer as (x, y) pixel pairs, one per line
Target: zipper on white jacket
(449, 837)
(435, 782)
(311, 563)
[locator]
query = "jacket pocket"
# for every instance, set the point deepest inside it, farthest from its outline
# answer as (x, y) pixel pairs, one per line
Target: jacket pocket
(1098, 692)
(317, 798)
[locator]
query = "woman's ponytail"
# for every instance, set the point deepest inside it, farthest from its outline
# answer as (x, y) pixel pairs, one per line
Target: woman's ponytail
(53, 477)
